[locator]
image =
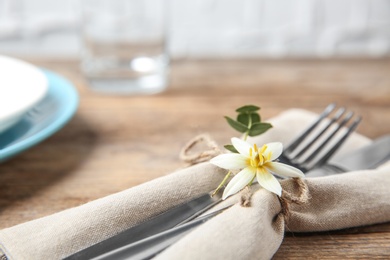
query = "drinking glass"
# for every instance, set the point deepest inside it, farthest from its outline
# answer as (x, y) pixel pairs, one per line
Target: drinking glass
(124, 48)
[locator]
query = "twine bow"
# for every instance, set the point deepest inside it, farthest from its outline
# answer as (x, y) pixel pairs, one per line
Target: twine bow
(202, 156)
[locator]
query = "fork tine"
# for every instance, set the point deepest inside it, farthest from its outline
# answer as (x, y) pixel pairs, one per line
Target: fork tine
(330, 153)
(336, 117)
(329, 138)
(299, 139)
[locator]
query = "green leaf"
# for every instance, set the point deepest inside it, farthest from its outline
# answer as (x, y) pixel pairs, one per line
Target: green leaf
(244, 118)
(247, 109)
(230, 148)
(237, 125)
(259, 128)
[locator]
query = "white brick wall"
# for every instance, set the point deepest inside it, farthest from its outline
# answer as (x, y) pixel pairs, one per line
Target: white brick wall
(217, 28)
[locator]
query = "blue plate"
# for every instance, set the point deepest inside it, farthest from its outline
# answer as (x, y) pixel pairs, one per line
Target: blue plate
(43, 120)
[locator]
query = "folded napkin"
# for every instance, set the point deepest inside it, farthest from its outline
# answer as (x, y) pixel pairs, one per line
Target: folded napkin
(252, 232)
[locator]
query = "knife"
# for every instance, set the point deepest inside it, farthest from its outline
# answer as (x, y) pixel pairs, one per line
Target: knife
(367, 157)
(149, 247)
(167, 220)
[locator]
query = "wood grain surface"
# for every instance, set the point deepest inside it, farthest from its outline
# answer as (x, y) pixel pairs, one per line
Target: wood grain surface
(116, 142)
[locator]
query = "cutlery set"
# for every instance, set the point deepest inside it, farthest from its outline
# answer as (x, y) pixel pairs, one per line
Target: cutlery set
(306, 153)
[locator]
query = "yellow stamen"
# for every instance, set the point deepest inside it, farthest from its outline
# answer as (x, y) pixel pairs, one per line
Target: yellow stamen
(263, 149)
(255, 146)
(250, 152)
(261, 159)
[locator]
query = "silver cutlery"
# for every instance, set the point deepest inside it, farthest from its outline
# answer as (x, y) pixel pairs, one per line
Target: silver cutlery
(148, 247)
(367, 157)
(319, 142)
(318, 134)
(165, 221)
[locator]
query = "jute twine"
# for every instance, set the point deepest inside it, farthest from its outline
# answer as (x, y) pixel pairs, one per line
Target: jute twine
(2, 256)
(202, 156)
(288, 198)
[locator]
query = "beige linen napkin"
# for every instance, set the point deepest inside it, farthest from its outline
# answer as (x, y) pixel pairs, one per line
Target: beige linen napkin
(253, 232)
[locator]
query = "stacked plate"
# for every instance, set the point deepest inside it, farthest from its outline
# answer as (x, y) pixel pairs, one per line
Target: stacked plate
(34, 104)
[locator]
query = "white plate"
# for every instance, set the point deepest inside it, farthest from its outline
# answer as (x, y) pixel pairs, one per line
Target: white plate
(43, 120)
(22, 86)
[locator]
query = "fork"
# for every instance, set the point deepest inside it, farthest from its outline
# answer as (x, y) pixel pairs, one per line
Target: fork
(135, 238)
(303, 154)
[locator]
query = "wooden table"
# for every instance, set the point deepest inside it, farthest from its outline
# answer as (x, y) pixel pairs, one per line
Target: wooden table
(114, 143)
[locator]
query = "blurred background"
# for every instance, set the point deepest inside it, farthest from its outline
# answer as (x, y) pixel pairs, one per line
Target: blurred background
(215, 28)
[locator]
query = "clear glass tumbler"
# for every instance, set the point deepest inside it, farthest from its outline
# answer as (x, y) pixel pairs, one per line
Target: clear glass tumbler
(124, 46)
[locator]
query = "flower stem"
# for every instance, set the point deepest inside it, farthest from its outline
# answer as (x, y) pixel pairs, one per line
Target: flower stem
(245, 135)
(249, 127)
(250, 183)
(222, 183)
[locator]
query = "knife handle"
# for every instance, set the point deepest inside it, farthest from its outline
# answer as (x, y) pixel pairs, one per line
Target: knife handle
(151, 246)
(167, 220)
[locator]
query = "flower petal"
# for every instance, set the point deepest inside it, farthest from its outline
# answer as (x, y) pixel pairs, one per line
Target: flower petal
(283, 170)
(239, 182)
(276, 149)
(230, 161)
(241, 146)
(268, 181)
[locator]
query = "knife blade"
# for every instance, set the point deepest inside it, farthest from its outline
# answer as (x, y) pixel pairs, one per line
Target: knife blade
(368, 157)
(167, 220)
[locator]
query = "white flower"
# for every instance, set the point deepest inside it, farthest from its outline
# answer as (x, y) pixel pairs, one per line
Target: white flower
(254, 162)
